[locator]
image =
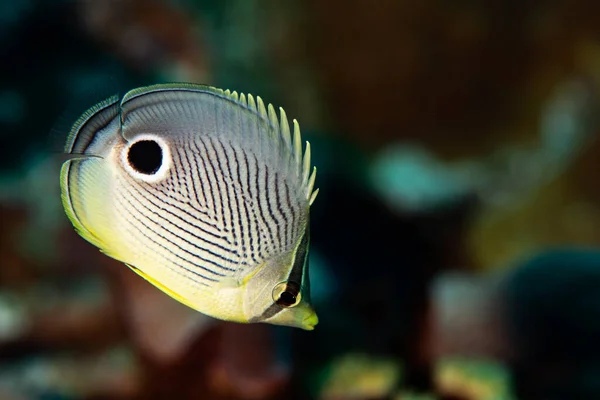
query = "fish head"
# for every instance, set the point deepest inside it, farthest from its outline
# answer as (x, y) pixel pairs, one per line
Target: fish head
(278, 292)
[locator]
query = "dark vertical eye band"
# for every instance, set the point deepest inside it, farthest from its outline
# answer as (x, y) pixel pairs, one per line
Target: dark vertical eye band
(287, 294)
(300, 259)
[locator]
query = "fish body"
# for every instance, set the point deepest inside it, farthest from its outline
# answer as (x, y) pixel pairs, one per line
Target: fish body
(203, 192)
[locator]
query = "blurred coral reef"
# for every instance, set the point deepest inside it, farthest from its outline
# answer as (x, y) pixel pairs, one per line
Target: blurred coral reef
(455, 241)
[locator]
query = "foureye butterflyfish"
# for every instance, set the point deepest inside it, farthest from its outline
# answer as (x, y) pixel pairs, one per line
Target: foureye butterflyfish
(203, 192)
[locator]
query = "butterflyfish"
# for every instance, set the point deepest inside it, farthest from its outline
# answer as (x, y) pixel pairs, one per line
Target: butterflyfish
(204, 192)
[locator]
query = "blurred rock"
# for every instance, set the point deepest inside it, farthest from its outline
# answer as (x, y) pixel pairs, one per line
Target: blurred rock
(412, 180)
(468, 317)
(16, 271)
(461, 79)
(551, 305)
(537, 319)
(408, 395)
(247, 366)
(359, 376)
(112, 373)
(149, 35)
(78, 314)
(14, 320)
(34, 191)
(474, 379)
(161, 327)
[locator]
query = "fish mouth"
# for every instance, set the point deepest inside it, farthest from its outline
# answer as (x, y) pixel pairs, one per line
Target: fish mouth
(309, 323)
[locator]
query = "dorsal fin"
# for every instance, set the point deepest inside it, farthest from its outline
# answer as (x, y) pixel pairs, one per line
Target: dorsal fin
(169, 109)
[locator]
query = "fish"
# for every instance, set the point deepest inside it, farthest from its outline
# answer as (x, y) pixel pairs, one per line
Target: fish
(204, 192)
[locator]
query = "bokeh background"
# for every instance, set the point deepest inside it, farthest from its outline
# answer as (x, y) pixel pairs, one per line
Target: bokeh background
(454, 240)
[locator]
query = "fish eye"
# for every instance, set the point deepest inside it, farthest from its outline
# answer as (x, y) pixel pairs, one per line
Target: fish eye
(287, 294)
(145, 156)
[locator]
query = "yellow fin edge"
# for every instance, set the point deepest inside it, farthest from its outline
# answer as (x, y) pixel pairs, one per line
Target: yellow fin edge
(162, 287)
(70, 212)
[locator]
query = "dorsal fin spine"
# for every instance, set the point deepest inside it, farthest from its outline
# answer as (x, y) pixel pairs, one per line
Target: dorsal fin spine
(313, 197)
(306, 166)
(311, 182)
(261, 108)
(284, 126)
(274, 123)
(297, 144)
(251, 103)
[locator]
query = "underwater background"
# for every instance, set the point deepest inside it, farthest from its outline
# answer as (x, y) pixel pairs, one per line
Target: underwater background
(455, 242)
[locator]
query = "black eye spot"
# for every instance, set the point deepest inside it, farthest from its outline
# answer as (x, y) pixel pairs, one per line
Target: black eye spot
(145, 157)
